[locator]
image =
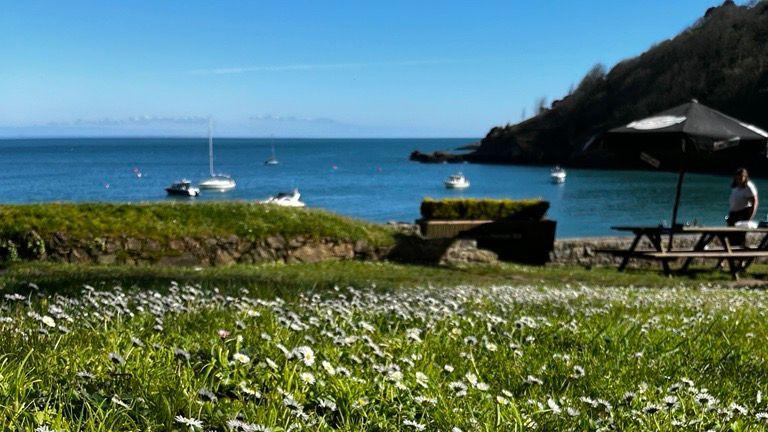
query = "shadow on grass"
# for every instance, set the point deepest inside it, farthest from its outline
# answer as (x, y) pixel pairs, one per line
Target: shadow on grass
(287, 280)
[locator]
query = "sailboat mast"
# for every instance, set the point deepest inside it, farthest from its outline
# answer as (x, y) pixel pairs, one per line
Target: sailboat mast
(210, 145)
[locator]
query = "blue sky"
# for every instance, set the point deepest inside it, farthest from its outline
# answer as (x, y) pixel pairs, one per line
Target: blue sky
(307, 68)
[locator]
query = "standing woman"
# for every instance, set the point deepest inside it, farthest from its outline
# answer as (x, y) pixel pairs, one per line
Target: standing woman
(743, 202)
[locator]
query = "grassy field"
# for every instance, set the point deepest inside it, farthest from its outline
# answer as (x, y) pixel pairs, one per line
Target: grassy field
(380, 347)
(168, 220)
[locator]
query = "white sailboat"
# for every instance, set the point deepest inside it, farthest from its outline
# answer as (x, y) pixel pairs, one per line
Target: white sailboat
(219, 182)
(272, 159)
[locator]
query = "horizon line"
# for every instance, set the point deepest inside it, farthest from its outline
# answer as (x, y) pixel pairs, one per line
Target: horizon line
(230, 137)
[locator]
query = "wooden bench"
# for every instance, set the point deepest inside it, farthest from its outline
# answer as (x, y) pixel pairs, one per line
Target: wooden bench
(684, 254)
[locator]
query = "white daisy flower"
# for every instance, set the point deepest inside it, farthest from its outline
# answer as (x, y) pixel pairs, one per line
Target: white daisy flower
(241, 358)
(307, 377)
(191, 423)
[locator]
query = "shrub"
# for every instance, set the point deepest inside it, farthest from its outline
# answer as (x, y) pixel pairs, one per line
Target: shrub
(483, 209)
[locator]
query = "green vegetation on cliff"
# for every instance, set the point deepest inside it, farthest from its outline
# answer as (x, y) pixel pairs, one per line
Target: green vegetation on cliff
(164, 221)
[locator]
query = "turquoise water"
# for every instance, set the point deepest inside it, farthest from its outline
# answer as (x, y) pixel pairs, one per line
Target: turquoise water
(365, 178)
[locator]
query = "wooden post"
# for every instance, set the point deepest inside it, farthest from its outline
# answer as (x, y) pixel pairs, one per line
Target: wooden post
(680, 178)
(679, 188)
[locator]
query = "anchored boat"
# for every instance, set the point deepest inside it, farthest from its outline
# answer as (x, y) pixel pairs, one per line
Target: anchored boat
(182, 188)
(219, 182)
(286, 199)
(272, 159)
(456, 181)
(557, 175)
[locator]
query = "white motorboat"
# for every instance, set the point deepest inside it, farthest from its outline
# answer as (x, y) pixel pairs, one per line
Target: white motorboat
(219, 182)
(557, 175)
(182, 188)
(456, 181)
(285, 199)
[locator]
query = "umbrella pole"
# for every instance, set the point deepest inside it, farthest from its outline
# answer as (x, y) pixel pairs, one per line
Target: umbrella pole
(680, 178)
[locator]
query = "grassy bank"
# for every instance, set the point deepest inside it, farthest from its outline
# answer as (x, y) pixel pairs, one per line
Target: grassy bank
(279, 348)
(169, 220)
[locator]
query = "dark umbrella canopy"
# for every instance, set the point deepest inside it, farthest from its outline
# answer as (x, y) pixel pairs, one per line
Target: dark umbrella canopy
(684, 137)
(689, 136)
(694, 119)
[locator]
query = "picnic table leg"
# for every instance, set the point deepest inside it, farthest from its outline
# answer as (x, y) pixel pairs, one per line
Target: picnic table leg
(733, 266)
(704, 240)
(656, 241)
(763, 243)
(632, 248)
(760, 247)
(722, 239)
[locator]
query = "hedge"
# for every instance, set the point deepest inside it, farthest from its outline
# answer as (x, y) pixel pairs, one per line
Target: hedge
(164, 221)
(483, 209)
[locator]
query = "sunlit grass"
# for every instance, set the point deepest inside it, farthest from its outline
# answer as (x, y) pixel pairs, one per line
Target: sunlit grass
(227, 352)
(177, 220)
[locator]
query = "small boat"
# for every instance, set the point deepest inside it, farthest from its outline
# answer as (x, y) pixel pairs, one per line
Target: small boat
(456, 181)
(272, 159)
(285, 199)
(557, 175)
(219, 182)
(182, 188)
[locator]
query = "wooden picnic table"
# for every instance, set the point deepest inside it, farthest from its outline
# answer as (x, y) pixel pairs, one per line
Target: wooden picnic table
(739, 257)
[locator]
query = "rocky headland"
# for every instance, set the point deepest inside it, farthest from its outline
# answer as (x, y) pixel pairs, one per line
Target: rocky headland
(721, 60)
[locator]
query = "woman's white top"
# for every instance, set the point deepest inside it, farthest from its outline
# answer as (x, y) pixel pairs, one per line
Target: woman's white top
(740, 196)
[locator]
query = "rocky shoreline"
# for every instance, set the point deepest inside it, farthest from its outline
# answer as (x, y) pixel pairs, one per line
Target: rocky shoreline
(437, 157)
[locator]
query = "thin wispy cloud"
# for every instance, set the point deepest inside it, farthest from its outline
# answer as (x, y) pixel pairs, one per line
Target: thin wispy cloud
(318, 66)
(289, 119)
(134, 120)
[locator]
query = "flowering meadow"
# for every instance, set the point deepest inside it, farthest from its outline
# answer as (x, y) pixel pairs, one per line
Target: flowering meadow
(454, 358)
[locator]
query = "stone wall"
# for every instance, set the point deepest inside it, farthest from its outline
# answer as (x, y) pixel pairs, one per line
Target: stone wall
(185, 251)
(221, 251)
(582, 251)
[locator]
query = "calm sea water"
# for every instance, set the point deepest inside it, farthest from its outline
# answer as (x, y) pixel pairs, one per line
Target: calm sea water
(364, 178)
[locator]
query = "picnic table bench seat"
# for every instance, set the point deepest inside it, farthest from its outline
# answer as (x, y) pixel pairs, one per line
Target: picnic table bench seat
(691, 254)
(739, 258)
(736, 253)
